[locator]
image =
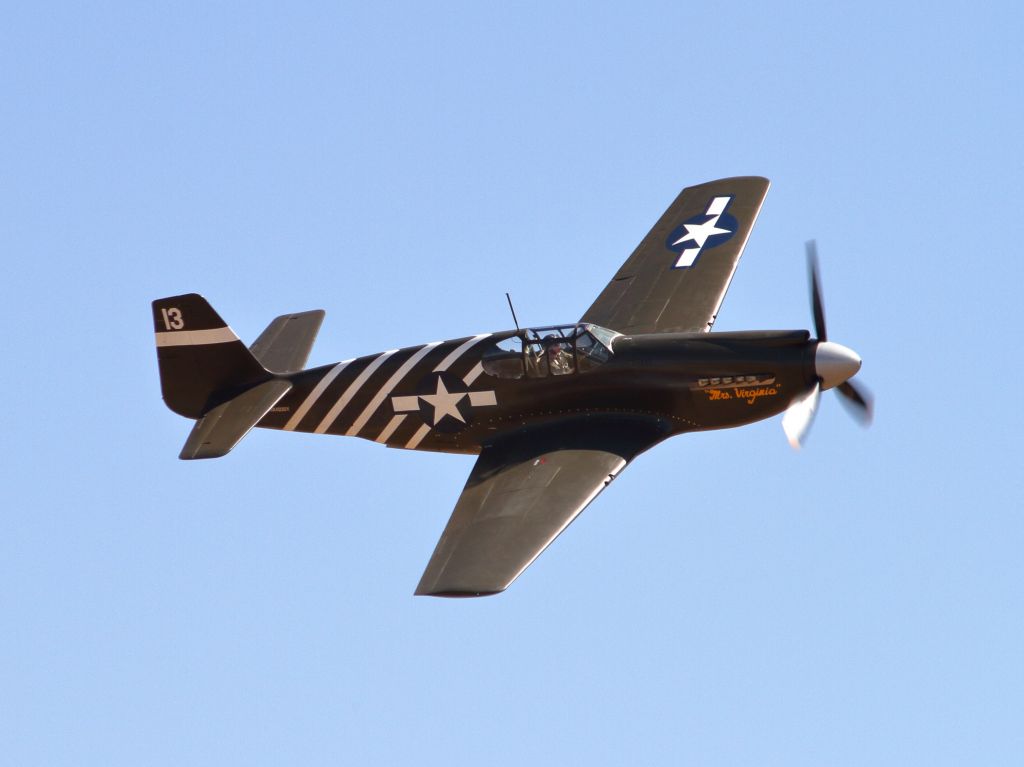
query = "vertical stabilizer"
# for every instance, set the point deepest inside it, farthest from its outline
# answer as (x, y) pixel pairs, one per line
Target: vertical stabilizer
(202, 362)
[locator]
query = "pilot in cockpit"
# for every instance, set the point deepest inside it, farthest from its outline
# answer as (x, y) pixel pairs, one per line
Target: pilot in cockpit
(559, 357)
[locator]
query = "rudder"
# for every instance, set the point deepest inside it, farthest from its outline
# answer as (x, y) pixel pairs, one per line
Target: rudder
(202, 362)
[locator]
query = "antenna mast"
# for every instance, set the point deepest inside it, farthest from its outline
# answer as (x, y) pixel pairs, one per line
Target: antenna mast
(513, 311)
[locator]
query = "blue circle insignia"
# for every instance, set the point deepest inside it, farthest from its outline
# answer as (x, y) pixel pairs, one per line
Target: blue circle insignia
(702, 232)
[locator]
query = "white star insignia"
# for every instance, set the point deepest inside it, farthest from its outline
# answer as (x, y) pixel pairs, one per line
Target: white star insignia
(444, 403)
(699, 233)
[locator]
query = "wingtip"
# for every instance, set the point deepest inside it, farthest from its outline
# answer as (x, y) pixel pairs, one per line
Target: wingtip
(454, 593)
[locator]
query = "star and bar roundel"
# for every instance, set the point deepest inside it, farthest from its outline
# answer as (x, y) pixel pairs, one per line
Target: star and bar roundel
(444, 402)
(702, 232)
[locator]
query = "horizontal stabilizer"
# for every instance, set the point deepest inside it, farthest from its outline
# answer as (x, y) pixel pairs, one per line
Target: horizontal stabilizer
(285, 345)
(220, 430)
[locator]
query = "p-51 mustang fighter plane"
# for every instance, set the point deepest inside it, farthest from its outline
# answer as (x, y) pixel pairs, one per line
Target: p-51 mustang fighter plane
(554, 413)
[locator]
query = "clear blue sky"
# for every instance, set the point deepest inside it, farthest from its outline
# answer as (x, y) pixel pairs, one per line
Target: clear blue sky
(727, 601)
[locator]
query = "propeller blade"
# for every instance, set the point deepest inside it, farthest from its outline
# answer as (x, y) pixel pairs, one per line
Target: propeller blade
(816, 303)
(858, 402)
(800, 415)
(832, 361)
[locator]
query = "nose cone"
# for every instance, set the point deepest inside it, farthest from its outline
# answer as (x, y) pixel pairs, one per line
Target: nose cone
(835, 363)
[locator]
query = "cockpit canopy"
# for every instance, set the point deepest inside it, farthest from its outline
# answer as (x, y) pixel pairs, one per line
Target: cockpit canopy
(556, 350)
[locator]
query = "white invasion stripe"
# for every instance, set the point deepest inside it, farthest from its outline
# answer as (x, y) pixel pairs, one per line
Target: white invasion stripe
(473, 374)
(457, 352)
(390, 428)
(224, 335)
(417, 437)
(314, 395)
(482, 398)
(350, 392)
(717, 206)
(405, 404)
(385, 390)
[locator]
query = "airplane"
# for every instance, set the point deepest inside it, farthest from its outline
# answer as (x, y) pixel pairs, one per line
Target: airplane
(553, 413)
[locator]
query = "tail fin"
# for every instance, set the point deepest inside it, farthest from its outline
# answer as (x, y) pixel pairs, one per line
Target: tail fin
(208, 374)
(203, 363)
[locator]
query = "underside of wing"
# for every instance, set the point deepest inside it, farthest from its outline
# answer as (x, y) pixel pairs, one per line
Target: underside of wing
(523, 491)
(678, 275)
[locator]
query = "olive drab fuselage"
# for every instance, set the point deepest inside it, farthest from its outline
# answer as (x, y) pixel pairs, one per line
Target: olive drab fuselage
(447, 397)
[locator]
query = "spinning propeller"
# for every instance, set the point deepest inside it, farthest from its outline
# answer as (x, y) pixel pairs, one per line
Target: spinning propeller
(834, 363)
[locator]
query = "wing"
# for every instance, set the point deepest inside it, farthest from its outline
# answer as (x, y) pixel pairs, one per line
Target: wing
(677, 277)
(524, 490)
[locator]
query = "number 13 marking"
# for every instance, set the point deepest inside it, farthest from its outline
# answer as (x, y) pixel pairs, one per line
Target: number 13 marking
(172, 318)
